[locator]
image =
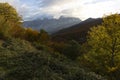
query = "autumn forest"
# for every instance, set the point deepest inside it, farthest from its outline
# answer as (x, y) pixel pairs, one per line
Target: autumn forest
(28, 54)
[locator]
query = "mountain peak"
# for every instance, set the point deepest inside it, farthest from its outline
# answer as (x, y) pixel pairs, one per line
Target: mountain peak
(52, 25)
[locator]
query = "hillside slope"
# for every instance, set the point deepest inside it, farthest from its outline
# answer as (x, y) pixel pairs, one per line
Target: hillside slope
(77, 32)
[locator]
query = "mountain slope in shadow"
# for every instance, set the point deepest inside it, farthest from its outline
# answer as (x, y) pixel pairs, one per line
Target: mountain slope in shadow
(77, 32)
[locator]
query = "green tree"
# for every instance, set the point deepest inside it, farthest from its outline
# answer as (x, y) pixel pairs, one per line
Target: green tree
(9, 13)
(104, 47)
(31, 35)
(44, 37)
(9, 19)
(72, 50)
(4, 27)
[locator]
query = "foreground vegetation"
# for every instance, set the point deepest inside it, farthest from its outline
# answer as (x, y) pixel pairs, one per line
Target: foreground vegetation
(26, 54)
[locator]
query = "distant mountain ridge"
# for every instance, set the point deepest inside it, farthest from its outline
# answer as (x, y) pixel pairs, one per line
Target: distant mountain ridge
(77, 32)
(52, 25)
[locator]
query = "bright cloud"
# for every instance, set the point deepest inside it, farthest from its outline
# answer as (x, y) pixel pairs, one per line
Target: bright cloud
(83, 9)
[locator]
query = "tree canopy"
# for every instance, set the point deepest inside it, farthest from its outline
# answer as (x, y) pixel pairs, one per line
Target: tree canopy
(9, 13)
(9, 20)
(104, 46)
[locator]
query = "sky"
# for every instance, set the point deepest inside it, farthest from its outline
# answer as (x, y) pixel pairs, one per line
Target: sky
(83, 9)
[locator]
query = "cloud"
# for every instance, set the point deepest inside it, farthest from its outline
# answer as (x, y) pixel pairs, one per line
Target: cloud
(63, 7)
(96, 1)
(83, 9)
(101, 8)
(55, 2)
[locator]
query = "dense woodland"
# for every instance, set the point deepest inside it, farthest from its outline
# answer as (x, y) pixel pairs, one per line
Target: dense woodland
(27, 54)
